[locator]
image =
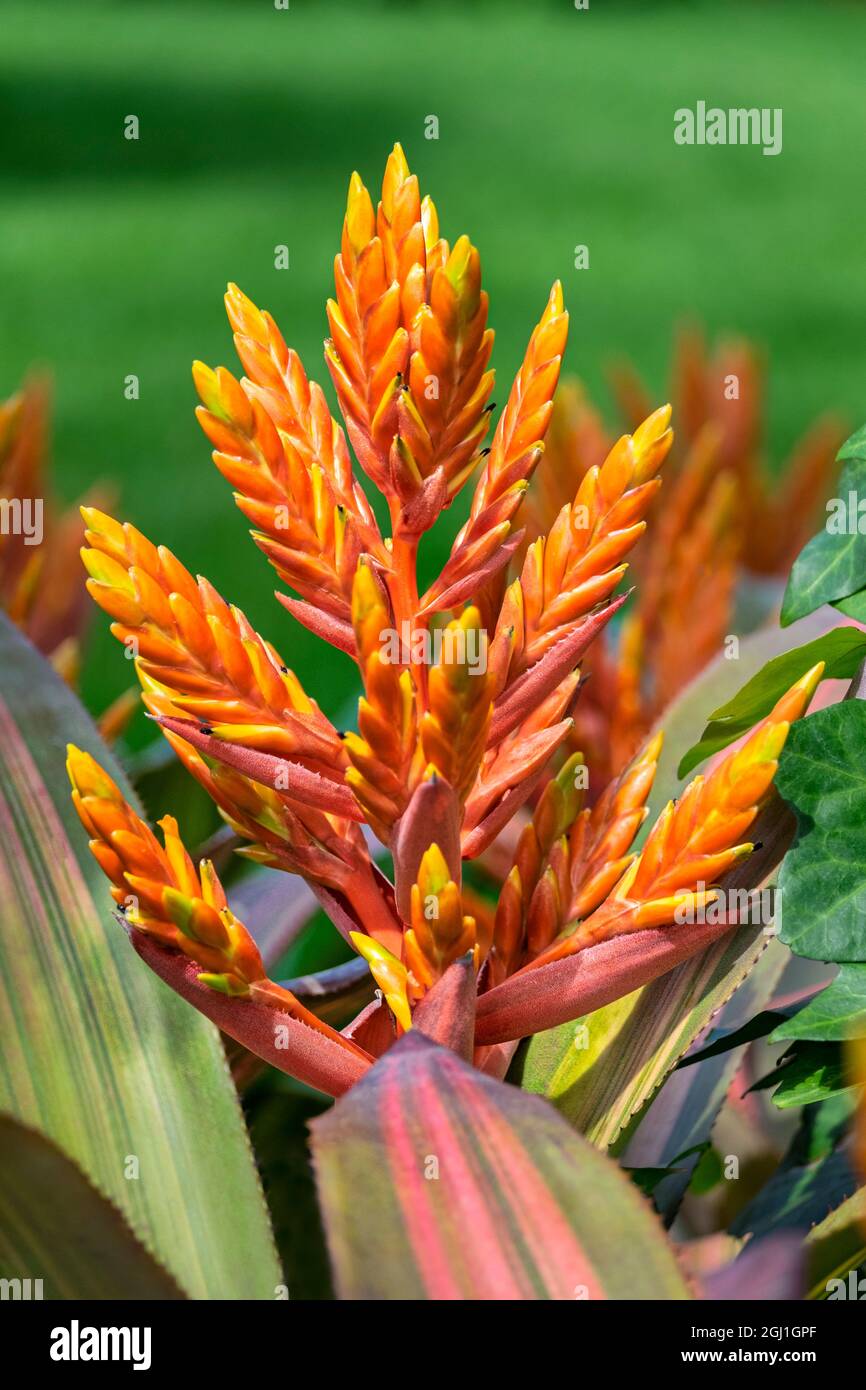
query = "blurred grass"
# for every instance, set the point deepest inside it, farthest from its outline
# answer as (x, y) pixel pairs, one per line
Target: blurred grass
(555, 129)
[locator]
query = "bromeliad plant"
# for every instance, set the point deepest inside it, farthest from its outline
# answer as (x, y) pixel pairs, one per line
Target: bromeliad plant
(609, 940)
(448, 749)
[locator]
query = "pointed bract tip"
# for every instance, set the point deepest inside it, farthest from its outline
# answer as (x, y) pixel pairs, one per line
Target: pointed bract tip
(654, 747)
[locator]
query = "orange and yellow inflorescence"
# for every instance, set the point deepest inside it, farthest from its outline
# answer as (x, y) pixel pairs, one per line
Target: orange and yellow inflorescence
(470, 690)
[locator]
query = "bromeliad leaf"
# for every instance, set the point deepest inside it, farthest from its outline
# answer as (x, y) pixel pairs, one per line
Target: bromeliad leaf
(682, 1114)
(98, 1055)
(600, 1071)
(835, 1247)
(833, 564)
(822, 774)
(55, 1226)
(842, 650)
(486, 1193)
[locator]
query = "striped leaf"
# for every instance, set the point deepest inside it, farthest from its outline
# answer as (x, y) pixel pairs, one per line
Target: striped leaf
(437, 1182)
(600, 1071)
(123, 1076)
(55, 1228)
(684, 1112)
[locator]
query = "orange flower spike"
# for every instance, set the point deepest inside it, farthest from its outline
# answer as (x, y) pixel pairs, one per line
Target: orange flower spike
(183, 910)
(203, 653)
(508, 929)
(160, 887)
(522, 426)
(554, 813)
(699, 578)
(297, 407)
(511, 770)
(439, 933)
(479, 552)
(686, 494)
(400, 229)
(381, 752)
(293, 475)
(293, 506)
(284, 833)
(448, 378)
(454, 729)
(696, 841)
(580, 562)
(601, 838)
(369, 346)
(576, 441)
(547, 906)
(23, 425)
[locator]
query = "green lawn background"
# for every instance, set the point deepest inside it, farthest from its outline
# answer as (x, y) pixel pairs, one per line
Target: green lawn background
(556, 128)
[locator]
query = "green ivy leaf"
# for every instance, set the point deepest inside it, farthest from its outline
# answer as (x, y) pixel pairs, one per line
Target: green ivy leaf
(854, 606)
(809, 1072)
(822, 774)
(842, 650)
(831, 566)
(837, 1013)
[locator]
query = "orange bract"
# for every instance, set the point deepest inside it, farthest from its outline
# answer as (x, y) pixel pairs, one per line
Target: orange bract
(696, 840)
(161, 893)
(720, 513)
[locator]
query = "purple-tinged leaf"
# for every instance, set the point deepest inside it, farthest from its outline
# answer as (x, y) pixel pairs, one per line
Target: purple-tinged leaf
(835, 1248)
(57, 1229)
(437, 1182)
(96, 1054)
